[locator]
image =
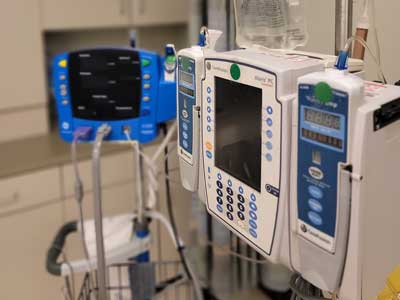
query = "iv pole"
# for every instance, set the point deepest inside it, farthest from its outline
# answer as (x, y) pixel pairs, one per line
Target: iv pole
(343, 23)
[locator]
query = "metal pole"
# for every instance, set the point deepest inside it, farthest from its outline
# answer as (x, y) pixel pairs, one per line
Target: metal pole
(102, 132)
(343, 23)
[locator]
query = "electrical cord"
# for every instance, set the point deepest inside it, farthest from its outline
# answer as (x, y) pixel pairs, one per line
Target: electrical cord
(189, 272)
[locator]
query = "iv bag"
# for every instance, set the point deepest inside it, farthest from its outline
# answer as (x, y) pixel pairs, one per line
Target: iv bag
(274, 24)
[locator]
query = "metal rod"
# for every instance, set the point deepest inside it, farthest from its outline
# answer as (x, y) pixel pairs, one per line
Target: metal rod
(139, 181)
(343, 23)
(102, 132)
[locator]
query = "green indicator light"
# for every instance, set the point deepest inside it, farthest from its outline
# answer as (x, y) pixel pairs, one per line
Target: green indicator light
(146, 62)
(235, 71)
(170, 59)
(323, 92)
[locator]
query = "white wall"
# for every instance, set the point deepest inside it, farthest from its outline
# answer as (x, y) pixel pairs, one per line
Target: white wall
(320, 16)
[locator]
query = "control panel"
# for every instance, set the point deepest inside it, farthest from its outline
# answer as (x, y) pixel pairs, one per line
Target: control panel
(322, 146)
(186, 106)
(123, 88)
(241, 135)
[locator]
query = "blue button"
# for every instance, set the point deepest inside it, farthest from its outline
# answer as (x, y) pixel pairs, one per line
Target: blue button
(208, 119)
(220, 209)
(241, 190)
(315, 205)
(269, 134)
(208, 153)
(253, 206)
(185, 135)
(268, 157)
(185, 126)
(219, 200)
(209, 128)
(219, 176)
(269, 145)
(315, 218)
(253, 215)
(208, 109)
(230, 182)
(209, 90)
(270, 110)
(253, 233)
(185, 144)
(208, 99)
(269, 122)
(253, 197)
(315, 192)
(253, 224)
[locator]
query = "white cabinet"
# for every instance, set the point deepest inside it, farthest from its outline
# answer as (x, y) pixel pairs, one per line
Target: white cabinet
(22, 77)
(159, 12)
(24, 240)
(78, 14)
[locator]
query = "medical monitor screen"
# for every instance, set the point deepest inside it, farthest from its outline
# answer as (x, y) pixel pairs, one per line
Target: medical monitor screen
(105, 84)
(238, 131)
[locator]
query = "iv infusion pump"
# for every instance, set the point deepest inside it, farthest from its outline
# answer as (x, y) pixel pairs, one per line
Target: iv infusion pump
(298, 161)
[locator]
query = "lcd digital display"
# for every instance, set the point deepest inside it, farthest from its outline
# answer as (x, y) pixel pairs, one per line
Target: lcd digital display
(322, 138)
(186, 91)
(186, 78)
(105, 84)
(322, 118)
(238, 125)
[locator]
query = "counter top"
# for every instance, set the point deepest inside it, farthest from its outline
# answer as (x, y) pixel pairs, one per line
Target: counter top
(31, 154)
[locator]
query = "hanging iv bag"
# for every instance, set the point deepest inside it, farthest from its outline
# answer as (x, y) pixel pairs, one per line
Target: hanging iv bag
(273, 24)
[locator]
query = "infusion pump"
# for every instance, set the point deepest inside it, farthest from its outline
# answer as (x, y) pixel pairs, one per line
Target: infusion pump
(297, 160)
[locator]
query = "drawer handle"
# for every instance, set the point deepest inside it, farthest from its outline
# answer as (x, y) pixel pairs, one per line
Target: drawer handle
(14, 199)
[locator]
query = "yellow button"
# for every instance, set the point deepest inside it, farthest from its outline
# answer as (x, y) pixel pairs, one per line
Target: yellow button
(209, 146)
(63, 63)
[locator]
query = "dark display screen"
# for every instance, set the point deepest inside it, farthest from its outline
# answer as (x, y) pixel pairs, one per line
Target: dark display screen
(322, 118)
(105, 84)
(186, 78)
(238, 131)
(322, 138)
(186, 91)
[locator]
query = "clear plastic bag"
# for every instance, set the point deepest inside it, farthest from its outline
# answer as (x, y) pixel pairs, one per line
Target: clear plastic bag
(274, 24)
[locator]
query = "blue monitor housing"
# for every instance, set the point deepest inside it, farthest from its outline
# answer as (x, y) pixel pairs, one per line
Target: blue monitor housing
(124, 88)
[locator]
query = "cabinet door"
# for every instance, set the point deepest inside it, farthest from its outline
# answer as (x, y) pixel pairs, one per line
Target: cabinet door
(22, 74)
(78, 14)
(159, 12)
(24, 241)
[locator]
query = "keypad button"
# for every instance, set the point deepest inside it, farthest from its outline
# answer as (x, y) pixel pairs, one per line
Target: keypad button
(241, 190)
(269, 134)
(253, 197)
(253, 224)
(270, 110)
(220, 209)
(219, 176)
(315, 218)
(253, 206)
(268, 157)
(220, 193)
(269, 145)
(241, 207)
(253, 215)
(146, 76)
(253, 233)
(229, 207)
(269, 122)
(315, 192)
(229, 215)
(229, 191)
(241, 215)
(208, 99)
(219, 200)
(219, 184)
(230, 182)
(241, 198)
(230, 199)
(315, 205)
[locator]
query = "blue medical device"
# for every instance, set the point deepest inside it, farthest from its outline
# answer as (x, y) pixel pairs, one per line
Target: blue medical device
(124, 88)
